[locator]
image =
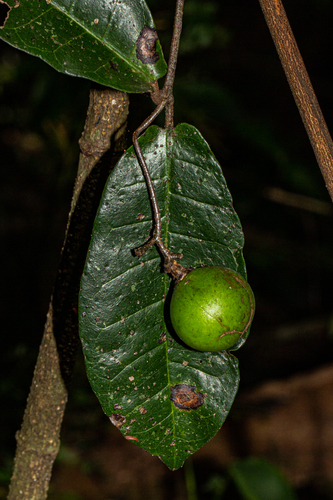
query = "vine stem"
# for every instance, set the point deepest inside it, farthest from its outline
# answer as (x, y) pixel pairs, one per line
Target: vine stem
(172, 63)
(164, 99)
(301, 87)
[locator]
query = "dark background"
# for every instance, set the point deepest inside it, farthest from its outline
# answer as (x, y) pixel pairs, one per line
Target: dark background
(231, 86)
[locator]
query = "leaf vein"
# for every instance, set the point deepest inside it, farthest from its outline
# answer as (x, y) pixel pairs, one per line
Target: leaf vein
(199, 202)
(198, 166)
(102, 330)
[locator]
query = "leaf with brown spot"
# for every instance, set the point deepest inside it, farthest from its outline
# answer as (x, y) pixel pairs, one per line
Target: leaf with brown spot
(115, 286)
(97, 43)
(184, 397)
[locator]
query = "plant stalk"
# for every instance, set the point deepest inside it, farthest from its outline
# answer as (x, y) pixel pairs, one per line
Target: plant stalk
(39, 438)
(301, 87)
(164, 98)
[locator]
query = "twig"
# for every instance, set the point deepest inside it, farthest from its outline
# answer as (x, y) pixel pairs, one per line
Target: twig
(151, 191)
(299, 201)
(165, 99)
(301, 87)
(172, 63)
(157, 236)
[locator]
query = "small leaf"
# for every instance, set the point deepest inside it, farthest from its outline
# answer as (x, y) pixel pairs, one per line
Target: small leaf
(162, 395)
(99, 40)
(258, 479)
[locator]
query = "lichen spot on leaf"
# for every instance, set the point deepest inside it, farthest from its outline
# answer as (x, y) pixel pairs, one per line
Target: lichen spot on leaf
(146, 46)
(184, 397)
(117, 420)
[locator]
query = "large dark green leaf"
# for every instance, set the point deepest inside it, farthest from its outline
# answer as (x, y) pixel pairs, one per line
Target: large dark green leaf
(134, 360)
(94, 39)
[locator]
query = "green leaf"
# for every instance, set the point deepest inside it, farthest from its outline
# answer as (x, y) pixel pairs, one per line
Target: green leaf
(95, 39)
(135, 363)
(258, 479)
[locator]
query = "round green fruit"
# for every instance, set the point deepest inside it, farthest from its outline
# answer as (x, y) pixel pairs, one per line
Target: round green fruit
(211, 308)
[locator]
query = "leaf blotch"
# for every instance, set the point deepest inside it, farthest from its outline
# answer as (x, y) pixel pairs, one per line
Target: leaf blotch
(146, 46)
(113, 66)
(184, 397)
(117, 420)
(162, 338)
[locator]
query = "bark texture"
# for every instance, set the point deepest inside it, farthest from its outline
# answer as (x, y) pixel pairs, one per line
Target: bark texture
(38, 440)
(301, 87)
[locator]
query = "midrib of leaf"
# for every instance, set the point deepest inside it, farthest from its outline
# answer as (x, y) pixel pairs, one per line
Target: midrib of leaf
(166, 282)
(55, 6)
(163, 367)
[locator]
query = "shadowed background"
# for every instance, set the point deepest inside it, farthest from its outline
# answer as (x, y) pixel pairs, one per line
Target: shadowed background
(231, 86)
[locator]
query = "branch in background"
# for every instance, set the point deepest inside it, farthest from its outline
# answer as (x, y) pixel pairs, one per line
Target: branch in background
(172, 63)
(38, 440)
(301, 87)
(298, 201)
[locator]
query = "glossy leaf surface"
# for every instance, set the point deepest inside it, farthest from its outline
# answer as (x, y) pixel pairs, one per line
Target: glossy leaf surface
(164, 396)
(93, 39)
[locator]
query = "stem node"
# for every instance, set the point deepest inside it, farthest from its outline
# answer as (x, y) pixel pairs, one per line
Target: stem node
(164, 99)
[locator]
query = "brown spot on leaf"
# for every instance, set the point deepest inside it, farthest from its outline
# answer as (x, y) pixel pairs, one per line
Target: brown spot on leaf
(162, 338)
(142, 410)
(146, 46)
(184, 397)
(117, 420)
(113, 66)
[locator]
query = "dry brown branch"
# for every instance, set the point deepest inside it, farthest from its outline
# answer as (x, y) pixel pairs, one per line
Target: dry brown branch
(301, 87)
(299, 201)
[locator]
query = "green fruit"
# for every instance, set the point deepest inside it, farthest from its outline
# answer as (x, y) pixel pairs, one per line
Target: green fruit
(212, 308)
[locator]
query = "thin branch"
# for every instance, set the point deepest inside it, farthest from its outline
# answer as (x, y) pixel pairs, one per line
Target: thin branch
(301, 87)
(38, 440)
(157, 236)
(172, 63)
(299, 201)
(165, 99)
(150, 187)
(174, 48)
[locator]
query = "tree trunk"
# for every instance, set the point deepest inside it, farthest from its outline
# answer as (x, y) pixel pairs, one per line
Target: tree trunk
(38, 440)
